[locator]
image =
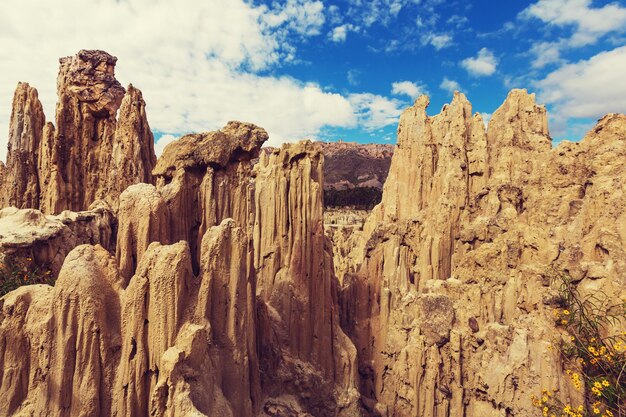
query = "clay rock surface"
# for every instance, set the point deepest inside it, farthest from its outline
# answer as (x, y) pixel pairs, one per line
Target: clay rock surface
(21, 183)
(143, 218)
(89, 155)
(93, 345)
(450, 310)
(46, 239)
(205, 178)
(299, 330)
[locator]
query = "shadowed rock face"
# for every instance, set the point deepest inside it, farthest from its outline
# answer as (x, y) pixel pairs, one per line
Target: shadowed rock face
(89, 155)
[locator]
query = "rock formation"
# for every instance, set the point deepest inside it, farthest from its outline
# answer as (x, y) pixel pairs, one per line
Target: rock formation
(47, 239)
(296, 282)
(90, 155)
(205, 285)
(451, 309)
(21, 185)
(205, 178)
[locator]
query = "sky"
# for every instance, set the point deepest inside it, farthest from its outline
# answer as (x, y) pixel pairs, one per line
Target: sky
(325, 70)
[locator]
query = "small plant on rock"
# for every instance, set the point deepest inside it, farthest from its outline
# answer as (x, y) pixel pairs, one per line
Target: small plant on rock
(16, 271)
(599, 350)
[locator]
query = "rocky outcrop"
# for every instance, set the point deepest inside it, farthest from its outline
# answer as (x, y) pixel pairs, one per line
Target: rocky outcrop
(171, 328)
(20, 185)
(222, 296)
(451, 309)
(143, 218)
(299, 324)
(94, 156)
(46, 240)
(90, 155)
(205, 178)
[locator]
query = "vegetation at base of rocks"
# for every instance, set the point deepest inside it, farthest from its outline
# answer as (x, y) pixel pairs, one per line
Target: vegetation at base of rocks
(596, 350)
(360, 198)
(16, 271)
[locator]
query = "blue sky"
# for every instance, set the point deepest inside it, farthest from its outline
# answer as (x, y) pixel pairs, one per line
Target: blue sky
(326, 70)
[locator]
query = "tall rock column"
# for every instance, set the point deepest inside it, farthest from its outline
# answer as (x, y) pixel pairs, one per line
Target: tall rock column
(90, 155)
(294, 272)
(205, 178)
(21, 183)
(303, 350)
(89, 97)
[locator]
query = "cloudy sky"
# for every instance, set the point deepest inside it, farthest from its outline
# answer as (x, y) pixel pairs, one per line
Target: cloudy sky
(326, 70)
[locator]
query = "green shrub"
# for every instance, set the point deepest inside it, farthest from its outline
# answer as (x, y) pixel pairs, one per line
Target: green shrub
(591, 321)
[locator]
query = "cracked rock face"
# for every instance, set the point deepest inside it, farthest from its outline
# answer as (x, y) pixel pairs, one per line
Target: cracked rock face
(205, 285)
(450, 310)
(88, 155)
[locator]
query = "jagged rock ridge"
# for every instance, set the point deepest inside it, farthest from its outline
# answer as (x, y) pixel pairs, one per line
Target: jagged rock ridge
(160, 314)
(451, 310)
(89, 155)
(209, 288)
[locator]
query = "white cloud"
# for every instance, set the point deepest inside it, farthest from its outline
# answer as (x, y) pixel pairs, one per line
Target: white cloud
(340, 33)
(450, 85)
(198, 62)
(353, 76)
(486, 117)
(305, 17)
(590, 23)
(546, 53)
(334, 14)
(408, 88)
(370, 12)
(438, 41)
(374, 111)
(163, 141)
(589, 88)
(483, 64)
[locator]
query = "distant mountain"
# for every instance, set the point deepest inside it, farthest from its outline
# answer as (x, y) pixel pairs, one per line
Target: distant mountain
(350, 164)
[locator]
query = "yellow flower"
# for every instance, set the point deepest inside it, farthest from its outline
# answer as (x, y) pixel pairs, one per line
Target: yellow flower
(563, 322)
(566, 312)
(605, 383)
(596, 411)
(597, 385)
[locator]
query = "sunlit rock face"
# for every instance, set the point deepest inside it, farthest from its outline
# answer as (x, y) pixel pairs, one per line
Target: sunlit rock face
(451, 310)
(205, 283)
(101, 144)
